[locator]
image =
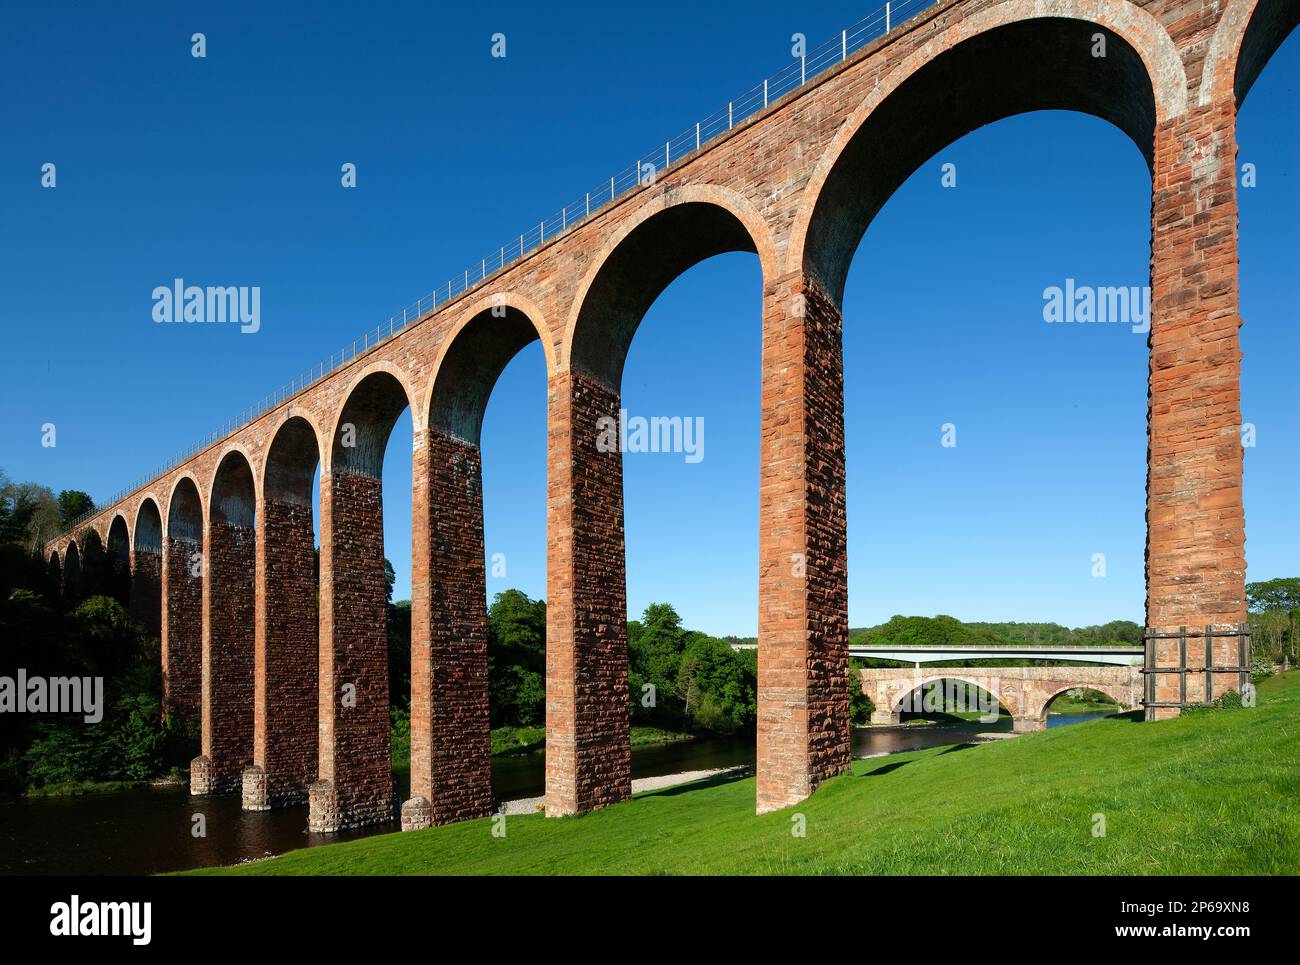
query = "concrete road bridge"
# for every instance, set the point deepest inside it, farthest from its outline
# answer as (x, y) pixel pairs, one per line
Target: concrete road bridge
(293, 698)
(1122, 656)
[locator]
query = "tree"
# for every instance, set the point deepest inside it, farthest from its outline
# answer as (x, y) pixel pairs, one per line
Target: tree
(516, 660)
(1282, 593)
(860, 705)
(32, 513)
(72, 504)
(390, 579)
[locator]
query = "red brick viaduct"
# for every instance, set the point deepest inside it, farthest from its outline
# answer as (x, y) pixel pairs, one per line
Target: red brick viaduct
(294, 698)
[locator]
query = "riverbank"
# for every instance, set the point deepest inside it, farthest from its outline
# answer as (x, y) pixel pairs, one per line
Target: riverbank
(534, 805)
(532, 740)
(1209, 793)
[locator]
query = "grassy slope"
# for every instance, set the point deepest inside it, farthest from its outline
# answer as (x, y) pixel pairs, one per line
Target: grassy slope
(1211, 793)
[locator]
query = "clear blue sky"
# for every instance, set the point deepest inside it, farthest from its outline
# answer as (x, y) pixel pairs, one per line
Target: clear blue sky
(226, 171)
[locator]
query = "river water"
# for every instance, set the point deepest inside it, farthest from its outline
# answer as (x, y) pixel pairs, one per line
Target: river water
(148, 830)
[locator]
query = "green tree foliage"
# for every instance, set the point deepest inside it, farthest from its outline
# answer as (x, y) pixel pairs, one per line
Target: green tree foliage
(72, 503)
(48, 636)
(399, 654)
(681, 678)
(1274, 620)
(860, 705)
(517, 660)
(97, 640)
(949, 631)
(1282, 593)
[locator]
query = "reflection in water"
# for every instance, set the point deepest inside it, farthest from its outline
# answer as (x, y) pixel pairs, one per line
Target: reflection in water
(149, 830)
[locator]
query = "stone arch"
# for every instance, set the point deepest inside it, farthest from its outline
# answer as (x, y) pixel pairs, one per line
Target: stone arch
(229, 618)
(54, 573)
(72, 587)
(1247, 35)
(119, 539)
(182, 600)
(672, 232)
(1005, 699)
(232, 493)
(185, 514)
(1136, 86)
(451, 742)
(286, 664)
(354, 766)
(371, 405)
(146, 566)
(291, 459)
(473, 356)
(94, 562)
(118, 553)
(1040, 712)
(148, 527)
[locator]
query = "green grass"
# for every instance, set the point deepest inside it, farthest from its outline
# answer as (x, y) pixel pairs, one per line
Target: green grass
(1211, 793)
(78, 788)
(528, 740)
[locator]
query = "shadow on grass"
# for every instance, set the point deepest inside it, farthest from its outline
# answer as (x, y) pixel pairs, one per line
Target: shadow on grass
(1132, 716)
(884, 769)
(965, 746)
(704, 783)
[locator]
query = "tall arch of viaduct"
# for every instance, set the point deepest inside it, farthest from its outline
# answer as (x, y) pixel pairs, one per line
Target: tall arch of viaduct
(798, 184)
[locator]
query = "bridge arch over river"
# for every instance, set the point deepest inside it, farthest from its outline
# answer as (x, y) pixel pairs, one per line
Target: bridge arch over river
(1026, 692)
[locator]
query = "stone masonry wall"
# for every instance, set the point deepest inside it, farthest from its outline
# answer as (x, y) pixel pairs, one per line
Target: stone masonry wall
(182, 649)
(451, 741)
(228, 655)
(285, 732)
(146, 590)
(355, 742)
(1195, 521)
(588, 757)
(803, 733)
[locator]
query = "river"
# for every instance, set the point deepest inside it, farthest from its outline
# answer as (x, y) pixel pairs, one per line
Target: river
(148, 830)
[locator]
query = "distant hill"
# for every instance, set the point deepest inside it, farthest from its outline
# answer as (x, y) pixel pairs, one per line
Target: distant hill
(944, 630)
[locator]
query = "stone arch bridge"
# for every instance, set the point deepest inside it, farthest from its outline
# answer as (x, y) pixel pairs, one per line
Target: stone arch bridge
(1026, 692)
(218, 548)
